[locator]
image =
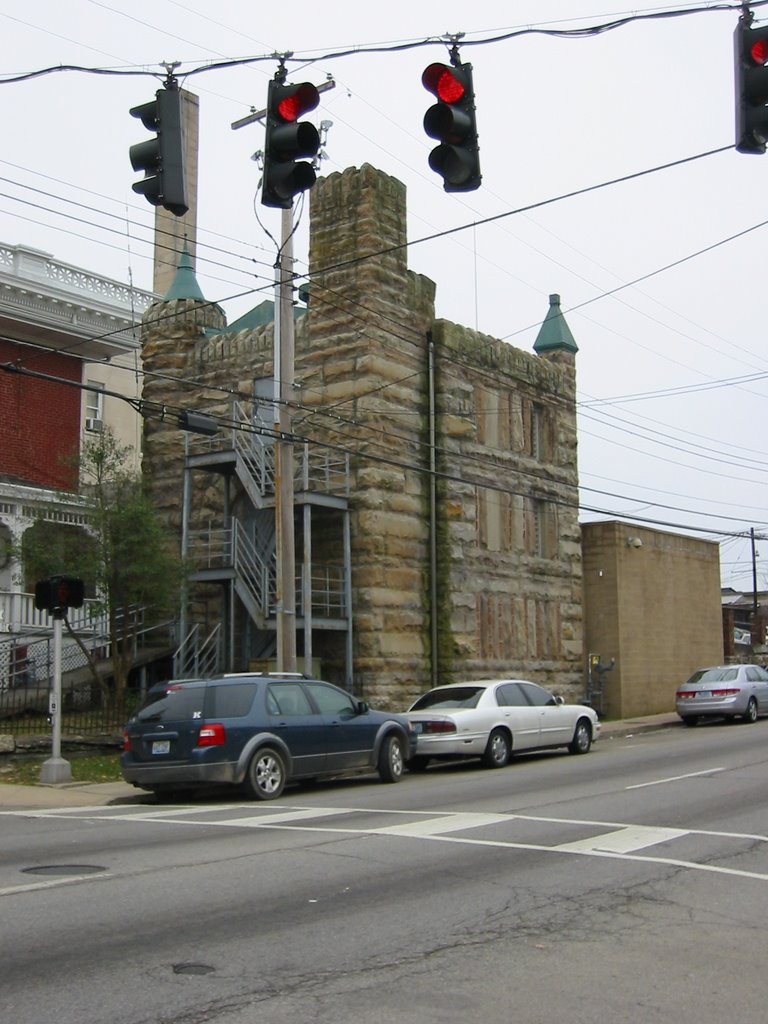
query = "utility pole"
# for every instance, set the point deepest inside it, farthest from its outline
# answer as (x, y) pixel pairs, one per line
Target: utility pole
(754, 580)
(283, 390)
(285, 175)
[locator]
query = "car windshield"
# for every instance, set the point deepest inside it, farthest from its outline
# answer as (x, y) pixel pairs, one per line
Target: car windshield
(453, 697)
(714, 675)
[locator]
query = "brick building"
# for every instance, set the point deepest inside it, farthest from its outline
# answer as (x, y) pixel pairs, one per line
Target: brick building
(435, 488)
(68, 347)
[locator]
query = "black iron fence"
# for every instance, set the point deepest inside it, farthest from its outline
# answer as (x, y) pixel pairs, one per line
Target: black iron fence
(87, 714)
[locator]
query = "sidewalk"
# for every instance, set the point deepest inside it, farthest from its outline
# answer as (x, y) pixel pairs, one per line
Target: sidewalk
(88, 794)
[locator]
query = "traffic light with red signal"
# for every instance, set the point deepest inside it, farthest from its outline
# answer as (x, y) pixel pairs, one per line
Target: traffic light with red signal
(452, 122)
(751, 57)
(287, 142)
(162, 158)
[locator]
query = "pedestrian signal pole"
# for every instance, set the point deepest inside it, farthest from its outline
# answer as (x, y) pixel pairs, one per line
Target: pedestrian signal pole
(55, 596)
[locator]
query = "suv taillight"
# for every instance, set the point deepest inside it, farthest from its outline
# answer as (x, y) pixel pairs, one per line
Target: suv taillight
(211, 736)
(126, 743)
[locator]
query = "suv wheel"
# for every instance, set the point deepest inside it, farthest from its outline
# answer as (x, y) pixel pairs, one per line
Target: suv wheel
(265, 777)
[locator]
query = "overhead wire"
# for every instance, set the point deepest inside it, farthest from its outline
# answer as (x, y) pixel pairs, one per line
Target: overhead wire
(729, 7)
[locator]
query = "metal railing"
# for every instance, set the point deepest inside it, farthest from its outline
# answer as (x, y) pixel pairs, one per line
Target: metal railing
(198, 656)
(316, 469)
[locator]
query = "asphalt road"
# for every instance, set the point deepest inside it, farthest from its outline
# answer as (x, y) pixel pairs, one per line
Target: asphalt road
(629, 885)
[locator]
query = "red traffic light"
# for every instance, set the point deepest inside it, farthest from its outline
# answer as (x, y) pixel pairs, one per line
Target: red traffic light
(751, 60)
(452, 122)
(297, 100)
(286, 141)
(444, 82)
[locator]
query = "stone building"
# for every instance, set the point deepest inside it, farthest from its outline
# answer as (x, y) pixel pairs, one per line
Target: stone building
(435, 487)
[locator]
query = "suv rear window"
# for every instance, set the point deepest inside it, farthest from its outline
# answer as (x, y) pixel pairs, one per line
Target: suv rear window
(173, 703)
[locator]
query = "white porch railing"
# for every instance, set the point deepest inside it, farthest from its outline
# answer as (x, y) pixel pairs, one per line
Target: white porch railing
(18, 614)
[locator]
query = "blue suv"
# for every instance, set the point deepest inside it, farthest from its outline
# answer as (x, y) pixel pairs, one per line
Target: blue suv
(258, 732)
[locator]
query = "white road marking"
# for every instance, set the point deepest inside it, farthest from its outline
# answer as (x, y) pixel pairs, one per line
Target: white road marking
(439, 826)
(622, 842)
(625, 840)
(675, 778)
(54, 883)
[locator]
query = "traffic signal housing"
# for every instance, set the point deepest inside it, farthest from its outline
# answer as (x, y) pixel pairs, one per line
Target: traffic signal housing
(58, 593)
(452, 122)
(750, 59)
(287, 141)
(162, 158)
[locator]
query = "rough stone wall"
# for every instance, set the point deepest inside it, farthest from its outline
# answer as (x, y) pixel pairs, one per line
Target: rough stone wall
(510, 533)
(509, 599)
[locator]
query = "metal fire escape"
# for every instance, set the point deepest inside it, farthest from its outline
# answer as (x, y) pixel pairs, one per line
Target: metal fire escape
(236, 549)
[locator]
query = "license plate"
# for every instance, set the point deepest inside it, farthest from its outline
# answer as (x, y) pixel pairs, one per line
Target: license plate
(161, 747)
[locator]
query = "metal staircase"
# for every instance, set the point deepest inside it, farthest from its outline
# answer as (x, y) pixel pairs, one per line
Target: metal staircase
(238, 550)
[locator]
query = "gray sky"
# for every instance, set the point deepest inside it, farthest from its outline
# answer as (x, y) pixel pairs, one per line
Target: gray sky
(671, 370)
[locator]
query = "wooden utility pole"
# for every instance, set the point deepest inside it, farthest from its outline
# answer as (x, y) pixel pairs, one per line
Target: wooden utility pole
(284, 377)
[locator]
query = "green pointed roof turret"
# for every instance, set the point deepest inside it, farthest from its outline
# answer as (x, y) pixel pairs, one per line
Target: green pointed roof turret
(554, 334)
(185, 284)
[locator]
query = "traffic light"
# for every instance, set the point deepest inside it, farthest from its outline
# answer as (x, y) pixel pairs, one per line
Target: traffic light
(452, 122)
(161, 158)
(59, 592)
(287, 140)
(751, 57)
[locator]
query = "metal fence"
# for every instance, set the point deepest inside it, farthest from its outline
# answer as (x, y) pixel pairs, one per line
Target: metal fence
(87, 715)
(89, 705)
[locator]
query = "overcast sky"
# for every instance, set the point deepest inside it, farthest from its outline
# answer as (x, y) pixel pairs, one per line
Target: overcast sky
(673, 365)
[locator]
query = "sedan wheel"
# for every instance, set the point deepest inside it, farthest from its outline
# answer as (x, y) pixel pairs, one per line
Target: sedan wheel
(391, 760)
(498, 751)
(750, 715)
(265, 778)
(582, 738)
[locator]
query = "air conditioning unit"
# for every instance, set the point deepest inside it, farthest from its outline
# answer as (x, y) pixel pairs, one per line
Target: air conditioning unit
(95, 425)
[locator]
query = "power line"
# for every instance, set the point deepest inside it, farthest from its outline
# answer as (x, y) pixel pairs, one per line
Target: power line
(400, 47)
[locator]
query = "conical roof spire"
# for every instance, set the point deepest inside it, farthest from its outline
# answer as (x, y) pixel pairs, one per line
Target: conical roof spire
(554, 334)
(185, 284)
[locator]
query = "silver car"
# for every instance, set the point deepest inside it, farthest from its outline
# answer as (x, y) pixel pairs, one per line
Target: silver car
(724, 691)
(493, 719)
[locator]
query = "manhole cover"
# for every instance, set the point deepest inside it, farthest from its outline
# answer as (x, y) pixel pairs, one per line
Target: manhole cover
(193, 969)
(64, 869)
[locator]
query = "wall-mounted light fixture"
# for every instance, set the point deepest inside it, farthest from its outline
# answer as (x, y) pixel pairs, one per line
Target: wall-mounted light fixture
(634, 542)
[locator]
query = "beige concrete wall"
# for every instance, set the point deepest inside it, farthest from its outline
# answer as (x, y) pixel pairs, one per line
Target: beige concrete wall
(118, 415)
(652, 602)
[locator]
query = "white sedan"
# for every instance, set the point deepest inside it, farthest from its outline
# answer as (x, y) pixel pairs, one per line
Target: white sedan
(493, 719)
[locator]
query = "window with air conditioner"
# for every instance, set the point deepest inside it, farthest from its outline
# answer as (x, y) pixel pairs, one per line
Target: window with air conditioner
(94, 407)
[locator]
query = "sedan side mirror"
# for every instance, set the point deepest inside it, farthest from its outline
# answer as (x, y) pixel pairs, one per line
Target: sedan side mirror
(362, 707)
